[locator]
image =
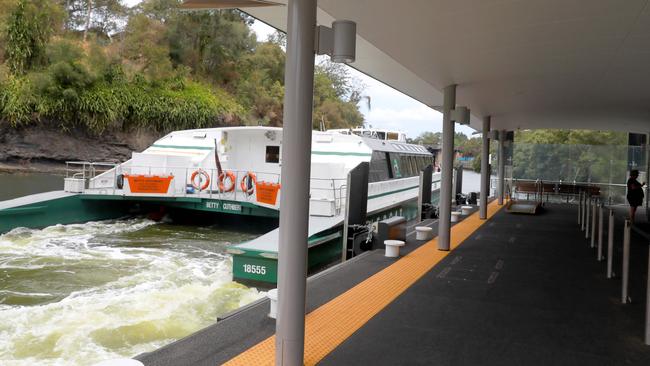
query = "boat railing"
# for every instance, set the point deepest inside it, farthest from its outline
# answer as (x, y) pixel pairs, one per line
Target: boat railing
(222, 187)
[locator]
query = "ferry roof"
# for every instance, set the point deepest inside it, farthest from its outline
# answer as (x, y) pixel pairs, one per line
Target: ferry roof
(395, 146)
(529, 64)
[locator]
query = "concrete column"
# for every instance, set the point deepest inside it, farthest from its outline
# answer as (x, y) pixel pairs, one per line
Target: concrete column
(295, 172)
(444, 221)
(502, 168)
(485, 174)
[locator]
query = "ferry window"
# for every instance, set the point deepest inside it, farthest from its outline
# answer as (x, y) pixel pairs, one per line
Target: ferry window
(381, 135)
(395, 165)
(414, 165)
(379, 167)
(406, 166)
(392, 136)
(272, 154)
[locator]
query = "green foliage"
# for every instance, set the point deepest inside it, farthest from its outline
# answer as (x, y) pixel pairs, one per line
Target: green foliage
(28, 30)
(580, 155)
(165, 69)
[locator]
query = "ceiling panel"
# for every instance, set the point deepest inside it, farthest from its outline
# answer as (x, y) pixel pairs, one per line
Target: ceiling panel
(528, 63)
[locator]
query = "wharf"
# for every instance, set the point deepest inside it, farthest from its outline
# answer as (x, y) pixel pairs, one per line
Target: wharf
(514, 290)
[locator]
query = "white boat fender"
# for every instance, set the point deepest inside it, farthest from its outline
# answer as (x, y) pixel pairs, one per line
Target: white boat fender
(273, 297)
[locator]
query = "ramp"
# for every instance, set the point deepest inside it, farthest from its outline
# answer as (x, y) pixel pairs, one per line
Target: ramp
(523, 207)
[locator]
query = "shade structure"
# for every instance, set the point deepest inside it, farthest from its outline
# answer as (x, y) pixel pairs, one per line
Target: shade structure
(527, 64)
(225, 4)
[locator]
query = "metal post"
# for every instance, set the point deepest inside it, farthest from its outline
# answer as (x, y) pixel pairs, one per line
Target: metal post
(601, 212)
(626, 261)
(610, 244)
(587, 219)
(502, 167)
(579, 209)
(295, 173)
(647, 305)
(584, 211)
(594, 213)
(444, 222)
(485, 174)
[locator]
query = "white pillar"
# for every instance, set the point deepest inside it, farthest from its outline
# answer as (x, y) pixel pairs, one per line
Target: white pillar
(444, 221)
(485, 164)
(295, 172)
(502, 167)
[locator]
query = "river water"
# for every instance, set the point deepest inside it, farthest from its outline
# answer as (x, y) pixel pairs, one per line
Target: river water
(78, 294)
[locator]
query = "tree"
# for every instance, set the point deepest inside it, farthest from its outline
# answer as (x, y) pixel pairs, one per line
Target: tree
(580, 155)
(29, 28)
(102, 17)
(145, 48)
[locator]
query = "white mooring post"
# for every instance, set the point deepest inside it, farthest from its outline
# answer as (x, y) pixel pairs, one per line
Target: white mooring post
(610, 244)
(594, 212)
(647, 305)
(626, 261)
(485, 166)
(444, 221)
(295, 173)
(601, 213)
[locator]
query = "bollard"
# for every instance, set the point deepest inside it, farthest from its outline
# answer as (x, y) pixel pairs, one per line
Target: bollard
(626, 261)
(610, 243)
(647, 305)
(587, 221)
(594, 212)
(599, 254)
(579, 209)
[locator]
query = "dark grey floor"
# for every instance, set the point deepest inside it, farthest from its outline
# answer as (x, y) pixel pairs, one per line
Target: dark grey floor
(523, 290)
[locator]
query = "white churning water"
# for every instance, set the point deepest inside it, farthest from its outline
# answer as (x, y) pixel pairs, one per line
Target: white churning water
(79, 294)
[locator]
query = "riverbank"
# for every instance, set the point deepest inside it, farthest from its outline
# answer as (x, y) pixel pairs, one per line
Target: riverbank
(43, 149)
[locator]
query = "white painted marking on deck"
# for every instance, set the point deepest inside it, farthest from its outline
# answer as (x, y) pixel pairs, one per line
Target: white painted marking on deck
(444, 272)
(499, 264)
(493, 277)
(457, 260)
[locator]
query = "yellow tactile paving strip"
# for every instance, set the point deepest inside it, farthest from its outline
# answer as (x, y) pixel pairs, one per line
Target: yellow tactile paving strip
(332, 323)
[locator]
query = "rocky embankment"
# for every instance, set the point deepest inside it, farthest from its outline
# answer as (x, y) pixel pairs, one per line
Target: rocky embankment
(46, 149)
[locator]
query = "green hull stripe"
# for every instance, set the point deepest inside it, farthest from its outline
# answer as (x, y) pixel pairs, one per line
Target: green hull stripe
(340, 153)
(183, 147)
(391, 192)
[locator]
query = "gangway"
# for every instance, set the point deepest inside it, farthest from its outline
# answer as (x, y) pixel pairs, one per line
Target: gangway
(527, 207)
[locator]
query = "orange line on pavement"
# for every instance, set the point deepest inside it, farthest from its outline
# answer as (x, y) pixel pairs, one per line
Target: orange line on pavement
(334, 322)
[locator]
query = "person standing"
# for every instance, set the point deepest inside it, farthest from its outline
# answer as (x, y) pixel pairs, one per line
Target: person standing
(634, 193)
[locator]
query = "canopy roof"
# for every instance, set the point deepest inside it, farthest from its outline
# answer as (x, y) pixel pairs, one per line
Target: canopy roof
(528, 64)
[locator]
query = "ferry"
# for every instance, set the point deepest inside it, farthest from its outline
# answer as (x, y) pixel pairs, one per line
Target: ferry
(236, 171)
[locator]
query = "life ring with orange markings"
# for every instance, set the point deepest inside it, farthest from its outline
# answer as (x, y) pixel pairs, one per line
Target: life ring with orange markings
(204, 178)
(247, 183)
(222, 181)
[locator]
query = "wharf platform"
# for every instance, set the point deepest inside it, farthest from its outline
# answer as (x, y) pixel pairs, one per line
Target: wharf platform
(514, 290)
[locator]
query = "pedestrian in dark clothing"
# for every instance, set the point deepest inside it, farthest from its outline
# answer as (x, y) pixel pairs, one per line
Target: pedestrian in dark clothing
(634, 193)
